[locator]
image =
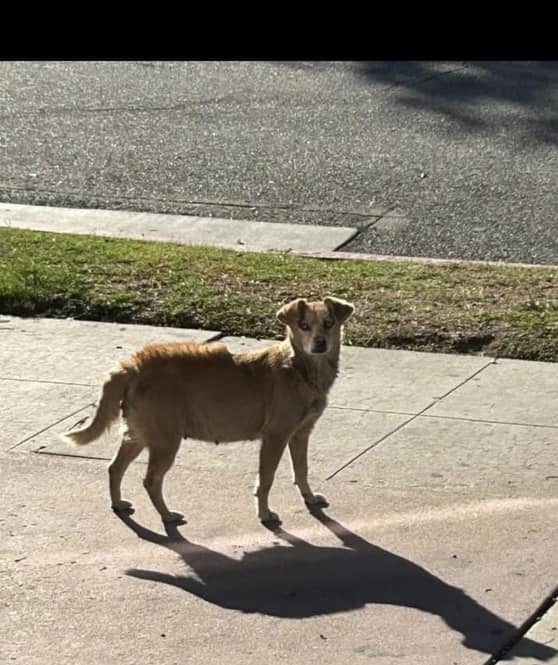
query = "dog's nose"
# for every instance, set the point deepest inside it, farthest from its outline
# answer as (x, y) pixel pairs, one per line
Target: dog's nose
(319, 345)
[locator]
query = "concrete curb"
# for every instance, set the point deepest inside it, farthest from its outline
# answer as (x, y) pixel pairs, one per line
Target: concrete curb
(357, 256)
(181, 229)
(261, 237)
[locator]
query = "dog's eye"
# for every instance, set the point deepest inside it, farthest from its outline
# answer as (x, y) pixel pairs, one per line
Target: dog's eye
(303, 325)
(328, 323)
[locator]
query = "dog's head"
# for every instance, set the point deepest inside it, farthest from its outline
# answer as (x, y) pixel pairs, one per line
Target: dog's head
(315, 327)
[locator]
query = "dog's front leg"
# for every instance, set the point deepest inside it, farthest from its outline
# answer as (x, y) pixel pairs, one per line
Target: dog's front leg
(298, 448)
(270, 453)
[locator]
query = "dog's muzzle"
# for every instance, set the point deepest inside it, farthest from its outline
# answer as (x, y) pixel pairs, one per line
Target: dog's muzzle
(319, 345)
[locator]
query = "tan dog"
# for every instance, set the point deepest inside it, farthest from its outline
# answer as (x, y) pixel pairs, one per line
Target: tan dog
(168, 392)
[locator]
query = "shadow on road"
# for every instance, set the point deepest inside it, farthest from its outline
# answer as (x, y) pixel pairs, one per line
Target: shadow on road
(304, 580)
(521, 97)
(459, 92)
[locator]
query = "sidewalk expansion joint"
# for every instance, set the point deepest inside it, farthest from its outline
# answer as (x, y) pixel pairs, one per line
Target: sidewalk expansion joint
(44, 429)
(407, 421)
(77, 457)
(378, 441)
(489, 422)
(365, 410)
(58, 383)
(492, 361)
(536, 616)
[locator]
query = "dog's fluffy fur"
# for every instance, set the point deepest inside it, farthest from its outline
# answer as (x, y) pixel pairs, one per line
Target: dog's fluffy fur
(167, 392)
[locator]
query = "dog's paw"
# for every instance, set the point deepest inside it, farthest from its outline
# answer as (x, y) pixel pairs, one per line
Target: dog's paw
(123, 507)
(173, 518)
(269, 518)
(316, 500)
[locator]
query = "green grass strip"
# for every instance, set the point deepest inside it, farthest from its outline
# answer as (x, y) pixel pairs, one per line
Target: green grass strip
(497, 310)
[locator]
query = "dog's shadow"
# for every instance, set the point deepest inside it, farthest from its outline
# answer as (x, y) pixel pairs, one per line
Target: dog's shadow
(305, 580)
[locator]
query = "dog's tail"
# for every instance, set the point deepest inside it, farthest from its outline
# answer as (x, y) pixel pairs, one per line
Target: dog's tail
(108, 410)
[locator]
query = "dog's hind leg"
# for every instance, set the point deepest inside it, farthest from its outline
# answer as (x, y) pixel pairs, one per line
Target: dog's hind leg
(298, 448)
(270, 453)
(161, 458)
(129, 449)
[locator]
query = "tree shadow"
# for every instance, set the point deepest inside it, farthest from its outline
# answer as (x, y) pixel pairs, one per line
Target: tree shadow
(479, 95)
(496, 96)
(303, 580)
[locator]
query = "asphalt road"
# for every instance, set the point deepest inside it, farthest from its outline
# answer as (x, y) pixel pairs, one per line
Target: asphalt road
(444, 159)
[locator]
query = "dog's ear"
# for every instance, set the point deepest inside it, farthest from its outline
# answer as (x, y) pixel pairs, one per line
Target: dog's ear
(341, 309)
(292, 311)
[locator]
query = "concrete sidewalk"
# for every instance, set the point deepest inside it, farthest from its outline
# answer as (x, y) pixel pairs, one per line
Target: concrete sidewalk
(439, 543)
